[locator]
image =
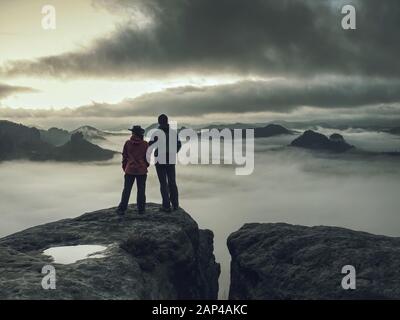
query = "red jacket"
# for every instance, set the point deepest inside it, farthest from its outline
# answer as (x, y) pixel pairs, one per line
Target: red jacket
(134, 156)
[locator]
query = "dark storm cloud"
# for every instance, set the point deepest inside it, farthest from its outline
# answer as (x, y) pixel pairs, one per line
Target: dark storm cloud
(280, 96)
(7, 90)
(264, 37)
(338, 101)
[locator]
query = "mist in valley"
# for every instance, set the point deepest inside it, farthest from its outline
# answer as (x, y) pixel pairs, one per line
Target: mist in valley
(288, 185)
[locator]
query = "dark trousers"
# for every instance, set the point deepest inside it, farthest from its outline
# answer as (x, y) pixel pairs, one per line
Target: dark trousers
(169, 190)
(141, 191)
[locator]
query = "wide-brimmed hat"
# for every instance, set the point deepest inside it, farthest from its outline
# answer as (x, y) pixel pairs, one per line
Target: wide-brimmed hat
(137, 130)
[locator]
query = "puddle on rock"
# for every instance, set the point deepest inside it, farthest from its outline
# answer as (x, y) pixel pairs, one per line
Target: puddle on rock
(72, 254)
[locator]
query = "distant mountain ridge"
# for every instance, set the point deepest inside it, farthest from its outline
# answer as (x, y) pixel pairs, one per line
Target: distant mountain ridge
(90, 133)
(237, 125)
(260, 131)
(271, 130)
(20, 142)
(58, 137)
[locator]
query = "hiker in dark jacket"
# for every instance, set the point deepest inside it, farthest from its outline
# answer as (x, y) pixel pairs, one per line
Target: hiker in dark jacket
(165, 160)
(135, 165)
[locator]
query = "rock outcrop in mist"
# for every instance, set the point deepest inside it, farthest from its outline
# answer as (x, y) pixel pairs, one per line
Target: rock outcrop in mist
(395, 131)
(282, 261)
(317, 141)
(151, 256)
(79, 149)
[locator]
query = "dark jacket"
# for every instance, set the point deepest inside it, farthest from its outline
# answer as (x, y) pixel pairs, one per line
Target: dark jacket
(134, 160)
(168, 153)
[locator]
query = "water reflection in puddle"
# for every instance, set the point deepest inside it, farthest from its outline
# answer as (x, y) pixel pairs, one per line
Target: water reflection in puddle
(72, 254)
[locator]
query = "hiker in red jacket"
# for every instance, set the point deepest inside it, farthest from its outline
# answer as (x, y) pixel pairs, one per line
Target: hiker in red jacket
(134, 164)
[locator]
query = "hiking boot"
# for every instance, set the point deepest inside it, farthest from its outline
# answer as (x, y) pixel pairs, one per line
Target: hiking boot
(165, 209)
(120, 212)
(175, 208)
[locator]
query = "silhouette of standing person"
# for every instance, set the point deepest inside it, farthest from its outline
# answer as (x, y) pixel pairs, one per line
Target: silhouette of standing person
(134, 164)
(165, 155)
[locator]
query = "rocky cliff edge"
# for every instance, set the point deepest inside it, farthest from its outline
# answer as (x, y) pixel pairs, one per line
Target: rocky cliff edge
(152, 256)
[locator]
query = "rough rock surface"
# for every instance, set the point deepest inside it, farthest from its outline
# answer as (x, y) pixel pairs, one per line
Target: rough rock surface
(151, 256)
(281, 261)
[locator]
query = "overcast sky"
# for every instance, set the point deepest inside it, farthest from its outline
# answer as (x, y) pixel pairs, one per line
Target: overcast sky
(198, 60)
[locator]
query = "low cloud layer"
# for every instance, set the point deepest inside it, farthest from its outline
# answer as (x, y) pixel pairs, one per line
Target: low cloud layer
(287, 186)
(259, 37)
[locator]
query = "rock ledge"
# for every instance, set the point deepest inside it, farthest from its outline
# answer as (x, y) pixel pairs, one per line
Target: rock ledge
(154, 256)
(282, 261)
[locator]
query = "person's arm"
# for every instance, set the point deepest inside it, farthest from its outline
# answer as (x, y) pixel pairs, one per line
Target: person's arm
(150, 146)
(145, 155)
(178, 143)
(153, 140)
(124, 157)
